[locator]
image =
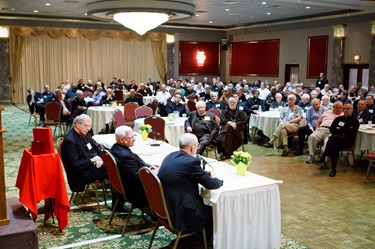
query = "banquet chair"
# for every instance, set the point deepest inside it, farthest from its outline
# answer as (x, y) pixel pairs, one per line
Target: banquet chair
(95, 184)
(139, 96)
(216, 111)
(191, 105)
(158, 125)
(53, 112)
(156, 199)
(87, 94)
(119, 96)
(117, 186)
(349, 150)
(371, 159)
(129, 112)
(212, 146)
(192, 97)
(143, 112)
(154, 106)
(118, 119)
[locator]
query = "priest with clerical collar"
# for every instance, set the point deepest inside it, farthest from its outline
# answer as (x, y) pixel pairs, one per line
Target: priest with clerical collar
(203, 124)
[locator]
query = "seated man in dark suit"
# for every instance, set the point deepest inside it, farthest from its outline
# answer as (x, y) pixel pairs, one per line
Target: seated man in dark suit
(361, 112)
(81, 155)
(133, 98)
(214, 102)
(175, 106)
(344, 130)
(65, 110)
(33, 100)
(180, 174)
(109, 97)
(129, 164)
(78, 105)
(203, 125)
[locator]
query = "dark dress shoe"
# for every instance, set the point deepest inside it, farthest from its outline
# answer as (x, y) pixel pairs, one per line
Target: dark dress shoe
(268, 145)
(285, 153)
(223, 157)
(332, 173)
(122, 209)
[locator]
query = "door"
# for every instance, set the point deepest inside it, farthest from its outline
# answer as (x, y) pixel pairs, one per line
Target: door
(356, 75)
(291, 73)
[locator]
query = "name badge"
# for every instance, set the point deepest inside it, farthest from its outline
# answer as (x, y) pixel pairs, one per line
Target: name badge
(240, 108)
(341, 123)
(360, 120)
(89, 146)
(218, 105)
(45, 96)
(207, 118)
(371, 111)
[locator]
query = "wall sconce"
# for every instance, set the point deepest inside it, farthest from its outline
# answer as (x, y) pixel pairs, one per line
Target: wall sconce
(339, 31)
(357, 58)
(170, 38)
(373, 28)
(201, 58)
(4, 32)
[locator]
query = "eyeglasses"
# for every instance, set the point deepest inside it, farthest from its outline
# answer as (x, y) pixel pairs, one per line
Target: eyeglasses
(87, 126)
(130, 138)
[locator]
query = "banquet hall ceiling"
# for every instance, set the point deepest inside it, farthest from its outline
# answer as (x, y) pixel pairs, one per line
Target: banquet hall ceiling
(209, 14)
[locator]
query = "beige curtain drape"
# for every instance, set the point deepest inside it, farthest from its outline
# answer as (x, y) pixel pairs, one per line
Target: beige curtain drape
(42, 56)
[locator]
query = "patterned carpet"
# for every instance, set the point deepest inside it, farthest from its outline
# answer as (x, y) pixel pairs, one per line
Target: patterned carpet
(87, 228)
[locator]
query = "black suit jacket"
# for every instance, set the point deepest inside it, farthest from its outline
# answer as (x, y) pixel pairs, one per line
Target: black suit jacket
(76, 159)
(180, 175)
(364, 117)
(129, 164)
(212, 126)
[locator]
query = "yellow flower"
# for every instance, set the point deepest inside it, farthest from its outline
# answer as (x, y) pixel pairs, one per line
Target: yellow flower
(145, 128)
(241, 156)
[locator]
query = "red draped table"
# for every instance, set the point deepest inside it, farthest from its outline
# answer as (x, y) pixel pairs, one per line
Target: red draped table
(41, 177)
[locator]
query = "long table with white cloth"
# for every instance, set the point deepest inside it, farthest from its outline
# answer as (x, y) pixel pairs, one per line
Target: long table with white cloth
(246, 209)
(365, 139)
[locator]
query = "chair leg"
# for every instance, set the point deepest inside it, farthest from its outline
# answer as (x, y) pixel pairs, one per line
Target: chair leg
(153, 233)
(97, 197)
(177, 240)
(113, 211)
(127, 221)
(204, 239)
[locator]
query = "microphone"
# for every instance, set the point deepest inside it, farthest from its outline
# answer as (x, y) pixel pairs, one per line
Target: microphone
(204, 162)
(155, 134)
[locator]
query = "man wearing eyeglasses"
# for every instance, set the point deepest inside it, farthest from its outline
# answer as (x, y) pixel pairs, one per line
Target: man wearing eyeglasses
(81, 155)
(129, 164)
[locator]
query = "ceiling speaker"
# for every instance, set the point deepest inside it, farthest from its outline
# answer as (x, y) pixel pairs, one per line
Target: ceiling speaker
(224, 44)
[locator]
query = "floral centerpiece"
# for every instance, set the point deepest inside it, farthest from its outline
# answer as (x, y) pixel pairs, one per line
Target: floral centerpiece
(144, 130)
(242, 160)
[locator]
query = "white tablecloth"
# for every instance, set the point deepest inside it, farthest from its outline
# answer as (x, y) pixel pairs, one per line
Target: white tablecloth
(101, 116)
(246, 209)
(365, 139)
(173, 129)
(148, 99)
(268, 122)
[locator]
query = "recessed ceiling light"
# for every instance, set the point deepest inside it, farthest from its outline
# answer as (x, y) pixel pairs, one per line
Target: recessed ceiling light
(307, 7)
(210, 22)
(264, 3)
(48, 4)
(197, 15)
(35, 11)
(85, 14)
(226, 9)
(269, 13)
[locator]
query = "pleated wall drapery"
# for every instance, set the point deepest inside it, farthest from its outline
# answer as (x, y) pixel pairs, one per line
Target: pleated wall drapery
(40, 56)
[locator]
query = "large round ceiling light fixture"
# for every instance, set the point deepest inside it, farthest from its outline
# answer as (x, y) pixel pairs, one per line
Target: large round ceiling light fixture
(140, 15)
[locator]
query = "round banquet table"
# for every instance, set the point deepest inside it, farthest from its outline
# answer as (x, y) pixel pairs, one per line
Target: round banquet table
(268, 122)
(365, 139)
(148, 99)
(101, 116)
(173, 129)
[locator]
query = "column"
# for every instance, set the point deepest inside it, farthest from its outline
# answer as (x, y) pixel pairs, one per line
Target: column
(337, 76)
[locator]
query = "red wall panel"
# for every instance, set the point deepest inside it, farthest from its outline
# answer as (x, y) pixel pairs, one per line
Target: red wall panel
(255, 58)
(317, 56)
(187, 58)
